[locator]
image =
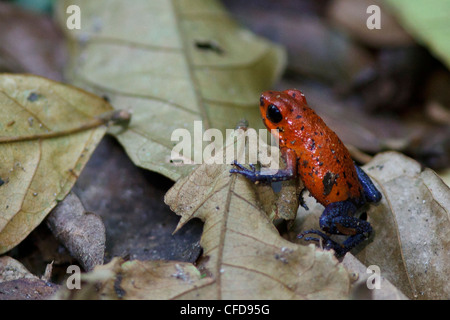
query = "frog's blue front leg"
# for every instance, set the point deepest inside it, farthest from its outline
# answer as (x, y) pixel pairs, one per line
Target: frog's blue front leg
(337, 218)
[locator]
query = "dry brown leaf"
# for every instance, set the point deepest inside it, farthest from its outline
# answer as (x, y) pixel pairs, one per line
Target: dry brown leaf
(49, 131)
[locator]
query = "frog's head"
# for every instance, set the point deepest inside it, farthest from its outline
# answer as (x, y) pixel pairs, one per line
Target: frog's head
(280, 109)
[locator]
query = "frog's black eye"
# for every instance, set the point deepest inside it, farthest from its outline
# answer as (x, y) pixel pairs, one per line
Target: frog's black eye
(274, 114)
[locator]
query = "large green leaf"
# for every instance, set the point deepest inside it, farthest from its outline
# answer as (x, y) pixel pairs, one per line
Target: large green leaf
(47, 133)
(428, 21)
(171, 62)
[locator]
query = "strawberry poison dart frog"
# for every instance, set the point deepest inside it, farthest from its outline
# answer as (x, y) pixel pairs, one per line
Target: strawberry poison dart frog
(315, 154)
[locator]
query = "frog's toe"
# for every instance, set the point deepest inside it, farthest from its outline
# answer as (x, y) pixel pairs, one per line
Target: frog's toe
(319, 233)
(327, 242)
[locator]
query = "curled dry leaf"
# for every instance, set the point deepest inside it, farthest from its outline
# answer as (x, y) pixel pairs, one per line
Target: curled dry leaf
(174, 62)
(411, 242)
(48, 132)
(81, 232)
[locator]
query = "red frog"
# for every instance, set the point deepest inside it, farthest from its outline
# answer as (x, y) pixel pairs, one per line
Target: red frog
(315, 154)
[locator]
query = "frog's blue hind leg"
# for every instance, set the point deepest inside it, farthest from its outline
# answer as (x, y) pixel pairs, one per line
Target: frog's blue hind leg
(337, 218)
(371, 193)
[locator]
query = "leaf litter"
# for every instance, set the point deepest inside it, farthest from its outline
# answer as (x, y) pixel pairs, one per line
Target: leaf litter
(244, 256)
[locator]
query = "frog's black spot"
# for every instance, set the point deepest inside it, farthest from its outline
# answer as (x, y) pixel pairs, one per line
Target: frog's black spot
(328, 182)
(349, 185)
(345, 176)
(302, 128)
(33, 97)
(313, 145)
(305, 163)
(298, 117)
(320, 164)
(261, 101)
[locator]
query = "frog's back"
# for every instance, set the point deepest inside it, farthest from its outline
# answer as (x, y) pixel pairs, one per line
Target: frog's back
(324, 163)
